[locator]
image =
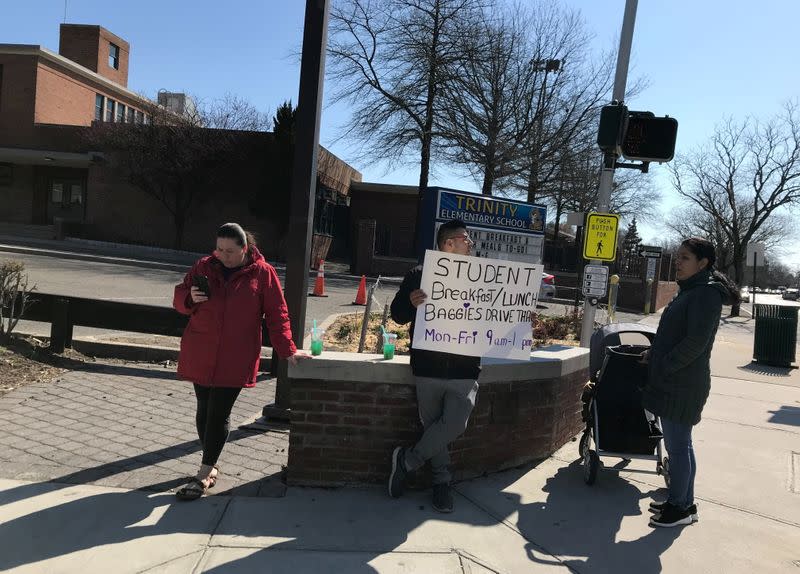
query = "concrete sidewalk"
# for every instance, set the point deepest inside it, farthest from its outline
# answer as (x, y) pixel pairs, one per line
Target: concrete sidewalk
(114, 441)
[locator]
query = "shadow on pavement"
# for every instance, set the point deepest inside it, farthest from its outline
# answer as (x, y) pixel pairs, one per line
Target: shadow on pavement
(581, 524)
(786, 416)
(767, 370)
(143, 460)
(331, 534)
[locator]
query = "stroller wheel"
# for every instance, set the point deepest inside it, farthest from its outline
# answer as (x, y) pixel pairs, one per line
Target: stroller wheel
(591, 464)
(583, 445)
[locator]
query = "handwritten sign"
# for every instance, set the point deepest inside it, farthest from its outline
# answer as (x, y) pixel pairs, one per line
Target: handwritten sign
(477, 306)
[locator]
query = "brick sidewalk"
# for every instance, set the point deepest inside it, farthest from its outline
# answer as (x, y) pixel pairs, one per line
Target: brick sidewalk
(132, 426)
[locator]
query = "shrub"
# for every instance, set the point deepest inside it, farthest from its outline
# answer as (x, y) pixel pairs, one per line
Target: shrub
(14, 295)
(566, 327)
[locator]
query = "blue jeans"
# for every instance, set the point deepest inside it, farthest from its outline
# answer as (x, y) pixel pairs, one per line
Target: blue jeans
(682, 465)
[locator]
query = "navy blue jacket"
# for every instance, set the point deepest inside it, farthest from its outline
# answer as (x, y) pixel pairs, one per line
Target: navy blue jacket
(679, 378)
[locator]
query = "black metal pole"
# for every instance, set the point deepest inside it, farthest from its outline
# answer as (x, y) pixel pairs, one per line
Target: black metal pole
(578, 263)
(304, 182)
(753, 288)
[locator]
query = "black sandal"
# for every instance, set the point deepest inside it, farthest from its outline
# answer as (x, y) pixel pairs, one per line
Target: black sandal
(193, 489)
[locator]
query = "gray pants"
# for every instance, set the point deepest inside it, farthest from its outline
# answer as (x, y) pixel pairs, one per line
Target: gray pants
(444, 409)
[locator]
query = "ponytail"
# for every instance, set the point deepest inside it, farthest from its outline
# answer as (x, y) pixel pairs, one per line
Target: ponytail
(734, 297)
(704, 249)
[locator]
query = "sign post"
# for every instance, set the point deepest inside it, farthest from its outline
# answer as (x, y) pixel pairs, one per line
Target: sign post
(610, 155)
(754, 249)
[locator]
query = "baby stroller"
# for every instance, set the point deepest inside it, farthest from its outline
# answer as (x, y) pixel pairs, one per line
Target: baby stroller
(616, 423)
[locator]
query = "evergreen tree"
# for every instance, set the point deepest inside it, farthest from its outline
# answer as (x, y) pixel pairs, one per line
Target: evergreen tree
(631, 242)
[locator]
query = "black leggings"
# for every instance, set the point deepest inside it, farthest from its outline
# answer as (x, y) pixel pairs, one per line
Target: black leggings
(213, 419)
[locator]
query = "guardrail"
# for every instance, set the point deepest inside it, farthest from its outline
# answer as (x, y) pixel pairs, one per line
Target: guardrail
(65, 312)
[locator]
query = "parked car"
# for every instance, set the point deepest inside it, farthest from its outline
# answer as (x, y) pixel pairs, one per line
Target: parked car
(791, 294)
(547, 289)
(745, 294)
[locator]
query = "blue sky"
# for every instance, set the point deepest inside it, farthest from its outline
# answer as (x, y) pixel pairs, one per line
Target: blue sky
(703, 60)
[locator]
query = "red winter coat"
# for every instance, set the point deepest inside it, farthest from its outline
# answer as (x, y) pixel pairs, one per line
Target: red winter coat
(222, 342)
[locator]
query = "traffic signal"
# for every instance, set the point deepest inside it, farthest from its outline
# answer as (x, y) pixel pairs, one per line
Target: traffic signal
(648, 138)
(612, 127)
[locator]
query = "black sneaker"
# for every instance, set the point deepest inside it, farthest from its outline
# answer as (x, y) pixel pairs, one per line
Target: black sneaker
(397, 478)
(658, 508)
(442, 498)
(671, 516)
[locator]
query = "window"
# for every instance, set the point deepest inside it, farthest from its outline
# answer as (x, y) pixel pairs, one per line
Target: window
(139, 117)
(99, 101)
(76, 193)
(131, 115)
(121, 113)
(113, 56)
(57, 193)
(110, 108)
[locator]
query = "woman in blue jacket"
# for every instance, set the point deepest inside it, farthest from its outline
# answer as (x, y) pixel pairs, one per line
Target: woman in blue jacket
(679, 372)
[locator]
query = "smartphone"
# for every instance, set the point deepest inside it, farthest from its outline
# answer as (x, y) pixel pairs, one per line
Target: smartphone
(201, 282)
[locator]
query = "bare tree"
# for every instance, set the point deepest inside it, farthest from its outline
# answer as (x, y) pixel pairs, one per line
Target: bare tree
(568, 92)
(232, 112)
(690, 221)
(512, 103)
(389, 60)
(749, 172)
(484, 126)
(574, 186)
(179, 159)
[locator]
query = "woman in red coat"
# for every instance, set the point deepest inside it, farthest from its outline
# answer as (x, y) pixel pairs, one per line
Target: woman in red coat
(221, 345)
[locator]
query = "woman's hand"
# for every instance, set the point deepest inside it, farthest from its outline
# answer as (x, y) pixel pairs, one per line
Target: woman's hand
(417, 297)
(297, 357)
(197, 295)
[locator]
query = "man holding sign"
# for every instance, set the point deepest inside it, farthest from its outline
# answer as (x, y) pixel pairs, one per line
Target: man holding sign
(446, 383)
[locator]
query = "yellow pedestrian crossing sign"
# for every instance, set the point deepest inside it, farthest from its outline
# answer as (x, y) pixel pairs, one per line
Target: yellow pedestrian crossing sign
(600, 237)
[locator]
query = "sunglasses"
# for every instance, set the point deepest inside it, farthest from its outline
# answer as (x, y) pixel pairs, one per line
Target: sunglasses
(465, 237)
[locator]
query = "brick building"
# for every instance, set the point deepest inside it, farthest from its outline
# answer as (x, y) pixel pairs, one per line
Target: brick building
(50, 173)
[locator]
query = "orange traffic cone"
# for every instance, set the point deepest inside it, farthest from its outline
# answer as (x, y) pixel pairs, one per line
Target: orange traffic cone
(361, 296)
(319, 284)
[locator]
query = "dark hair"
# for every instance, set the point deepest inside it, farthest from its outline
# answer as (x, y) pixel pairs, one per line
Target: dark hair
(234, 231)
(704, 249)
(446, 231)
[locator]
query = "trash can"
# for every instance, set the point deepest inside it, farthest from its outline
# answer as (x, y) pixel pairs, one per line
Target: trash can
(775, 341)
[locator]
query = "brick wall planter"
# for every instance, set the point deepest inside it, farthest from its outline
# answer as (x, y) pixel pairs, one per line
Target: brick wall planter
(350, 410)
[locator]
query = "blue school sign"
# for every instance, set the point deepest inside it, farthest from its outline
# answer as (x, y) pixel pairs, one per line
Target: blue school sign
(501, 228)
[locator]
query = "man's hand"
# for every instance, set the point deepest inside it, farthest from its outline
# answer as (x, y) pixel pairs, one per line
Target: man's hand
(417, 297)
(645, 357)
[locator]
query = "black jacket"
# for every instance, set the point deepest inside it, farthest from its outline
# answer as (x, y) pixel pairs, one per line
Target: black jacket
(429, 363)
(679, 372)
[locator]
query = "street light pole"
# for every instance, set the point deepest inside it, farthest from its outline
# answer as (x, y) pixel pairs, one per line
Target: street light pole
(533, 176)
(610, 158)
(304, 183)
